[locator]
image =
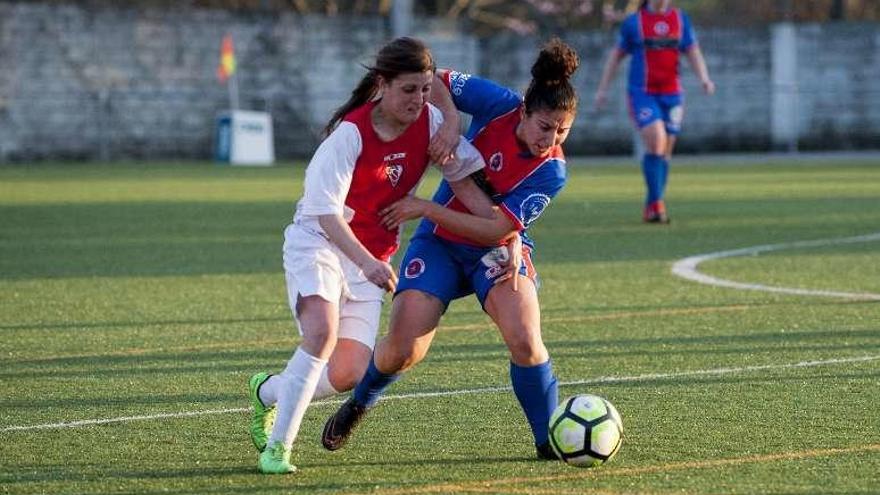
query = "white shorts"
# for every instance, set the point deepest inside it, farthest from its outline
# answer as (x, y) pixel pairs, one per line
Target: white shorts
(314, 266)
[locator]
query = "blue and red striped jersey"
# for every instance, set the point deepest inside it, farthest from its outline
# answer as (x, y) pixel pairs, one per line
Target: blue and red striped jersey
(523, 184)
(655, 40)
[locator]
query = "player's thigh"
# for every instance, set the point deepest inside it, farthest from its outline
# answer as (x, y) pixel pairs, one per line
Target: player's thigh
(518, 317)
(318, 321)
(414, 319)
(672, 109)
(654, 137)
(647, 116)
(670, 146)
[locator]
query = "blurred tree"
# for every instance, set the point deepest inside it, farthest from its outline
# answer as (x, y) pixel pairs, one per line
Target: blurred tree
(533, 16)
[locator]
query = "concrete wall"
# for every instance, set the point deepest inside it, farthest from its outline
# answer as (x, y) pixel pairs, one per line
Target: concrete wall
(132, 83)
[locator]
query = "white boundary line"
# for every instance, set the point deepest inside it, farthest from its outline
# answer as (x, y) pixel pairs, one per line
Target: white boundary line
(687, 268)
(485, 390)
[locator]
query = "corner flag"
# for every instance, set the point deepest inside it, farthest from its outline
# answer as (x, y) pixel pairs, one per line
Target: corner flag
(227, 59)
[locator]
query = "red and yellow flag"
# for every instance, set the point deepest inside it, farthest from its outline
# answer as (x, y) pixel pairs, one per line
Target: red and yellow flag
(227, 59)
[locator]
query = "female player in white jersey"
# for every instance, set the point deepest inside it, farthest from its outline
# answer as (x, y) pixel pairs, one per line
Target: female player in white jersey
(336, 251)
(454, 253)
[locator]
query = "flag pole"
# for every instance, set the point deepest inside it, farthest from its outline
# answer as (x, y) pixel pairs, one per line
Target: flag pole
(232, 86)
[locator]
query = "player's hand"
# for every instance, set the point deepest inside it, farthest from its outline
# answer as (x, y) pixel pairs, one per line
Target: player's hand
(600, 100)
(441, 149)
(380, 273)
(407, 208)
(514, 261)
(709, 86)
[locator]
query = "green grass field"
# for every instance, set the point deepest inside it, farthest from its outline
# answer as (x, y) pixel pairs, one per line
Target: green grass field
(136, 300)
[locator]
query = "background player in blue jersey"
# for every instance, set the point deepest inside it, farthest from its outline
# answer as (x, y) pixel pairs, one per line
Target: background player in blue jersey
(655, 35)
(454, 253)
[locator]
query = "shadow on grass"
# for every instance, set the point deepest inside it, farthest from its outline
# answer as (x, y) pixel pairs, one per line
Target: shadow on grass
(245, 475)
(242, 361)
(142, 324)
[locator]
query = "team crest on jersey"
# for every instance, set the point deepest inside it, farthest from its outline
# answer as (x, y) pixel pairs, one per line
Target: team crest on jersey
(661, 28)
(533, 206)
(414, 268)
(393, 171)
(496, 161)
(457, 81)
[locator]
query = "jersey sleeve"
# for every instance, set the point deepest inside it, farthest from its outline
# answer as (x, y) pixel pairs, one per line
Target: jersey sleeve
(628, 37)
(467, 159)
(528, 200)
(481, 98)
(329, 174)
(688, 36)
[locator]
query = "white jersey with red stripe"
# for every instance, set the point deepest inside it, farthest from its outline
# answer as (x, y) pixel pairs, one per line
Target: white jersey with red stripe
(355, 174)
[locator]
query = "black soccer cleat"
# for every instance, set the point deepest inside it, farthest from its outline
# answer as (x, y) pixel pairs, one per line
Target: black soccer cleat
(338, 427)
(546, 453)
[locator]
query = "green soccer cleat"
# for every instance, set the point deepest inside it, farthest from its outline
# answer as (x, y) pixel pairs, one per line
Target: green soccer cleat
(262, 417)
(276, 460)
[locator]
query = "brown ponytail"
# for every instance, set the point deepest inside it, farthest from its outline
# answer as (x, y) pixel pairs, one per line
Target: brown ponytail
(400, 56)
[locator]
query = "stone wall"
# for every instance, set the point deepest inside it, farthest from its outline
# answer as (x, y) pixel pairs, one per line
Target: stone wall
(117, 83)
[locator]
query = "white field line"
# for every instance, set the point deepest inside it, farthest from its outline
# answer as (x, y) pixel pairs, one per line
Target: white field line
(485, 390)
(687, 268)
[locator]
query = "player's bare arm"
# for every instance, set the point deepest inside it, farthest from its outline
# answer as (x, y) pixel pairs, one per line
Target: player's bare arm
(445, 140)
(340, 234)
(485, 231)
(608, 72)
(698, 63)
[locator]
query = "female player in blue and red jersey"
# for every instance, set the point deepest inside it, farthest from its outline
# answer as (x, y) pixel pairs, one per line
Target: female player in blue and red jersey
(655, 36)
(454, 253)
(336, 251)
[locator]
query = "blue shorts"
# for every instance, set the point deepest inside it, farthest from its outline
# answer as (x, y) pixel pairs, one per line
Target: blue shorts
(449, 270)
(645, 109)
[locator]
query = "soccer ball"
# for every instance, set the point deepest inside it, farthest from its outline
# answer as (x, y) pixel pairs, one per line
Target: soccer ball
(586, 431)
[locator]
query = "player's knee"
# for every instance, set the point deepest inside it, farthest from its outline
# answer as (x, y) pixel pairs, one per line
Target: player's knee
(345, 377)
(319, 342)
(527, 351)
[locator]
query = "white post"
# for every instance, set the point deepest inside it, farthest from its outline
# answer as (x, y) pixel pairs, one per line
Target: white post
(784, 109)
(401, 18)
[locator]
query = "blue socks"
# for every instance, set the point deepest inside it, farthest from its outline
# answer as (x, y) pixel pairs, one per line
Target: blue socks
(373, 385)
(534, 386)
(538, 394)
(655, 168)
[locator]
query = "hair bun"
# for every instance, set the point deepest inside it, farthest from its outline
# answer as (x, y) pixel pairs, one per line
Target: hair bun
(556, 63)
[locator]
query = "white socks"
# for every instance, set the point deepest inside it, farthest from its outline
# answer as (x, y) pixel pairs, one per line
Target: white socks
(269, 389)
(294, 389)
(325, 388)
